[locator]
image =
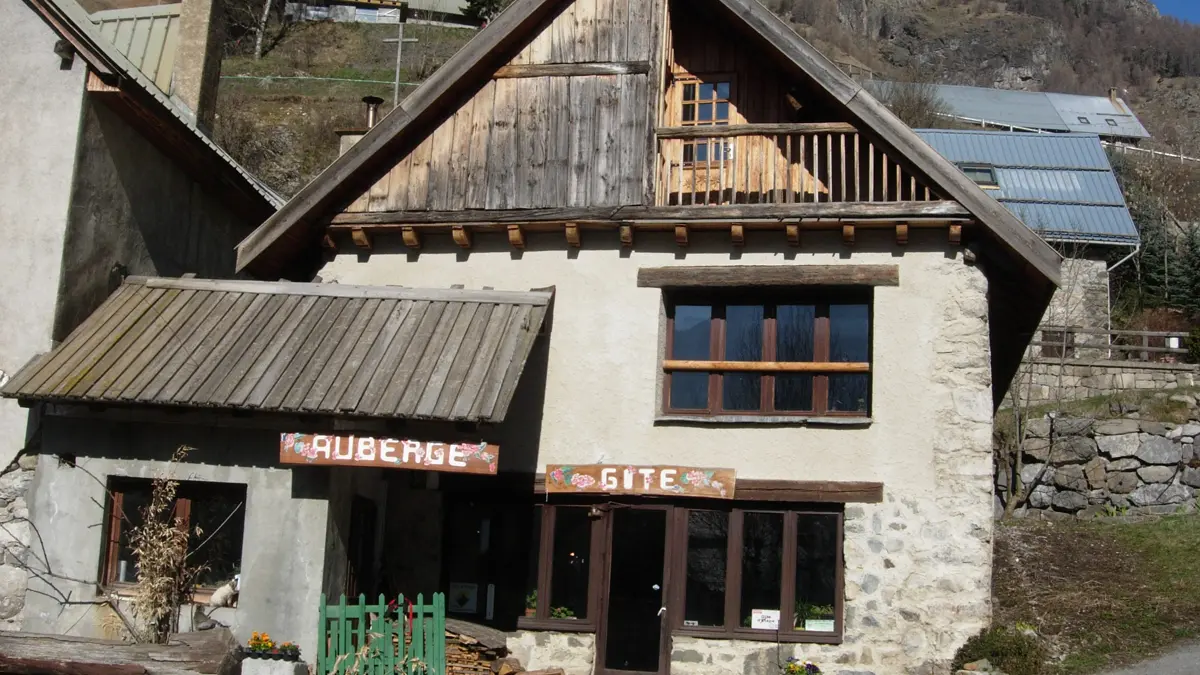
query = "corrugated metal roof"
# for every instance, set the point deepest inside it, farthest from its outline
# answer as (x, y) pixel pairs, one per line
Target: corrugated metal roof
(375, 351)
(1061, 185)
(147, 36)
(1036, 110)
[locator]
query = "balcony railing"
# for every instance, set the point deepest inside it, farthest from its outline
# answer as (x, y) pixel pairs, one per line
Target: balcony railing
(1072, 343)
(778, 164)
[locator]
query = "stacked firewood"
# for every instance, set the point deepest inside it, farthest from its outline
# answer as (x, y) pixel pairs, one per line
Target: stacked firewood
(466, 655)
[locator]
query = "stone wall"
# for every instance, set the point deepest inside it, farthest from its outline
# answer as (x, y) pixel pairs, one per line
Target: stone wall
(1046, 380)
(537, 650)
(1090, 467)
(15, 536)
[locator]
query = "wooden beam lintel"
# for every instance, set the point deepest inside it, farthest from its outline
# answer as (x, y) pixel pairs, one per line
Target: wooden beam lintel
(573, 69)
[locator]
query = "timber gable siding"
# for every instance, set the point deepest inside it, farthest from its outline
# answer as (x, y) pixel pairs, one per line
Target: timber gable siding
(565, 114)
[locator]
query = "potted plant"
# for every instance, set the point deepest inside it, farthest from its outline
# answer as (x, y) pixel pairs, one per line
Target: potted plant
(290, 651)
(561, 613)
(797, 667)
(531, 603)
(261, 646)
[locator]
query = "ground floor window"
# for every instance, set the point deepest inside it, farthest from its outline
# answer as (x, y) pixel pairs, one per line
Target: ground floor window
(212, 513)
(750, 571)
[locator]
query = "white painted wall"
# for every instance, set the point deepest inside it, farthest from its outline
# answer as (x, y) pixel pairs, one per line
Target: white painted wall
(918, 566)
(40, 107)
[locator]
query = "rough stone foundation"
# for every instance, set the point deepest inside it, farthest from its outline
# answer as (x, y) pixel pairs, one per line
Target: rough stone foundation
(1056, 380)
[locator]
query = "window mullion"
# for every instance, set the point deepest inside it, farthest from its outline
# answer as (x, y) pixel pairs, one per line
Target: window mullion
(733, 572)
(788, 583)
(769, 354)
(545, 560)
(821, 348)
(716, 381)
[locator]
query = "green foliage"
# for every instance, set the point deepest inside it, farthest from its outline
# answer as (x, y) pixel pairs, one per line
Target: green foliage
(1014, 651)
(561, 613)
(1193, 345)
(484, 10)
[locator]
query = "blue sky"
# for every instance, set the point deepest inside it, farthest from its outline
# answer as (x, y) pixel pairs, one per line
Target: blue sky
(1188, 10)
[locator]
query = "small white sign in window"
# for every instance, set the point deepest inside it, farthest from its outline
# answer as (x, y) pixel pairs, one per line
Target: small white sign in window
(764, 619)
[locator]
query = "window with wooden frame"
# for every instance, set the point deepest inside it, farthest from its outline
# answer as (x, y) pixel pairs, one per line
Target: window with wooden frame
(212, 513)
(564, 578)
(771, 354)
(751, 573)
(706, 103)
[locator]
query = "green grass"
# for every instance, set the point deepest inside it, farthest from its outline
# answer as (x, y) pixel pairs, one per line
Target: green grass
(1104, 593)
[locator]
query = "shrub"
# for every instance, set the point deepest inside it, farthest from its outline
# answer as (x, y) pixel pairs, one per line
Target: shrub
(1193, 345)
(1013, 651)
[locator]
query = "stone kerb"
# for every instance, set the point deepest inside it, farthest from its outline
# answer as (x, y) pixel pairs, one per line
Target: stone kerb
(1086, 467)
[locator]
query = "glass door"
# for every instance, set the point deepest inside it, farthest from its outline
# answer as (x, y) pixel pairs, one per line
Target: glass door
(635, 635)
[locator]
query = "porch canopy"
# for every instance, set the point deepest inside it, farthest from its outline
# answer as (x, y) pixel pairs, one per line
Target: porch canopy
(371, 351)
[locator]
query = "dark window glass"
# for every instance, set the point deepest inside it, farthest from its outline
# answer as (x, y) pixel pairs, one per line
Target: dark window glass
(849, 341)
(531, 577)
(701, 149)
(743, 342)
(705, 112)
(689, 112)
(816, 572)
(570, 563)
(691, 340)
(707, 550)
(1083, 120)
(706, 92)
(215, 534)
(723, 111)
(133, 505)
(723, 90)
(794, 333)
(1111, 122)
(689, 92)
(762, 563)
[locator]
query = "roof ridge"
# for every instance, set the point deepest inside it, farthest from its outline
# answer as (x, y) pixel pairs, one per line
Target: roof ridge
(336, 290)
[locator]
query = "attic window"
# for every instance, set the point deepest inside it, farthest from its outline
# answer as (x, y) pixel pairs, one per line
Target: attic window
(1083, 120)
(1111, 122)
(983, 175)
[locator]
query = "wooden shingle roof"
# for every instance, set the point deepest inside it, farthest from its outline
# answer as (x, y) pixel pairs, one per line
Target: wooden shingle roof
(372, 351)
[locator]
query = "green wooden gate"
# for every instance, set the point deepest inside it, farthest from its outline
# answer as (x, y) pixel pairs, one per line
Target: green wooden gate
(366, 639)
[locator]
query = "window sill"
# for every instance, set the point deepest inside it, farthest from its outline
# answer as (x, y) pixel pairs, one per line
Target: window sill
(768, 420)
(126, 591)
(556, 625)
(761, 636)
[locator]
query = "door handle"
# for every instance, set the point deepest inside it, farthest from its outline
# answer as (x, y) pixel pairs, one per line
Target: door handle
(662, 610)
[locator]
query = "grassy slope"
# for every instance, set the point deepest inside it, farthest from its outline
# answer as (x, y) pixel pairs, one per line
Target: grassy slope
(1103, 593)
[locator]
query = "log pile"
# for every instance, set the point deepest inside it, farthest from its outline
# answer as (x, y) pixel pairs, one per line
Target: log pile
(472, 649)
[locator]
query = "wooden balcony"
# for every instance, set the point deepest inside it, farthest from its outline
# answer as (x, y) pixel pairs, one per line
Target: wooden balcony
(778, 164)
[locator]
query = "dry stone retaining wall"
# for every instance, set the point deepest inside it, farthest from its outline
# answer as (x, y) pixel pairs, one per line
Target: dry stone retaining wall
(15, 535)
(1056, 380)
(1089, 467)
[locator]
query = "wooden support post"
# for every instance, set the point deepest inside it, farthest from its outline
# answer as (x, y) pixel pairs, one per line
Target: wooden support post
(626, 236)
(848, 235)
(793, 235)
(361, 238)
(902, 233)
(411, 237)
(956, 234)
(572, 230)
(681, 235)
(462, 236)
(738, 234)
(516, 236)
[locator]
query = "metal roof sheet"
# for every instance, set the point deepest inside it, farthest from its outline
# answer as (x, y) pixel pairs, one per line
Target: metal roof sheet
(1061, 185)
(1035, 109)
(301, 348)
(147, 36)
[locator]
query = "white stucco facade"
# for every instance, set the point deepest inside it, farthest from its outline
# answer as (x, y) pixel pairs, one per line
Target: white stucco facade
(917, 566)
(41, 101)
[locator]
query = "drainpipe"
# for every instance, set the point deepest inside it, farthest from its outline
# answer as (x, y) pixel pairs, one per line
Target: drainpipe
(1136, 249)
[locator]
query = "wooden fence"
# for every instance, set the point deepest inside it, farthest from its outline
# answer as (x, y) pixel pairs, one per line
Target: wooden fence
(373, 639)
(1064, 342)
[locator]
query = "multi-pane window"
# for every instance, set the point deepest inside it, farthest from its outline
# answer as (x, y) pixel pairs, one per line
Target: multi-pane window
(798, 355)
(705, 104)
(561, 582)
(983, 176)
(750, 572)
(213, 514)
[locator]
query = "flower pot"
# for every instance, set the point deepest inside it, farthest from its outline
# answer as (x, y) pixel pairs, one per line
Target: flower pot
(530, 611)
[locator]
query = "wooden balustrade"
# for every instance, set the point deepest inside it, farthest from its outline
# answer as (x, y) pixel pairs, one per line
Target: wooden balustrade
(778, 164)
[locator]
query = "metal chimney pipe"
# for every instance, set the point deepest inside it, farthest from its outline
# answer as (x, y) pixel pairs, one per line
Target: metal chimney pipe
(373, 103)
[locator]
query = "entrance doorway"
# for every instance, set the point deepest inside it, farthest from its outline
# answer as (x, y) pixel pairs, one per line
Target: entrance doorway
(635, 635)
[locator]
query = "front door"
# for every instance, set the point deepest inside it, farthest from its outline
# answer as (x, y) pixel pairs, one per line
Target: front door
(634, 635)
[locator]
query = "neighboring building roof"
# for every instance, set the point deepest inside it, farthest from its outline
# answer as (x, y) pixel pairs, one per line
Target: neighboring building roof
(1036, 110)
(372, 351)
(294, 227)
(1061, 185)
(147, 36)
(70, 21)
